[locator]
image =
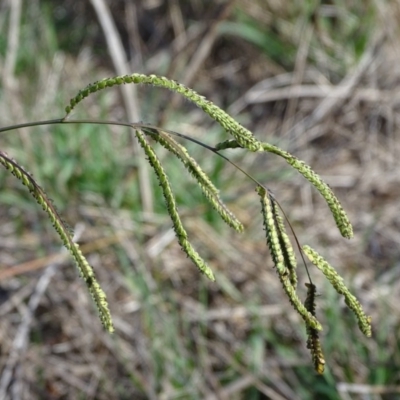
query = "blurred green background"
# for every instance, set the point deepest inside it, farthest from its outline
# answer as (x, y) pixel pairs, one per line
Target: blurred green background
(318, 78)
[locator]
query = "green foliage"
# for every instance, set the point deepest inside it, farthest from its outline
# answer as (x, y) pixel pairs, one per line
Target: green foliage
(267, 41)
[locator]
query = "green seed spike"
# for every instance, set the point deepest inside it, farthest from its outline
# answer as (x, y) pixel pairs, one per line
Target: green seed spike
(313, 342)
(243, 136)
(180, 232)
(364, 321)
(340, 216)
(286, 245)
(208, 188)
(275, 248)
(85, 269)
(271, 231)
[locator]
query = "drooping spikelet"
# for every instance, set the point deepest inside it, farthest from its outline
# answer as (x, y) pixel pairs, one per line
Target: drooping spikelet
(274, 245)
(180, 231)
(364, 321)
(85, 269)
(313, 342)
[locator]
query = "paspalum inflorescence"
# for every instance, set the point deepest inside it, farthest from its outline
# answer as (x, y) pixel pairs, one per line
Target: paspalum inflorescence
(278, 241)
